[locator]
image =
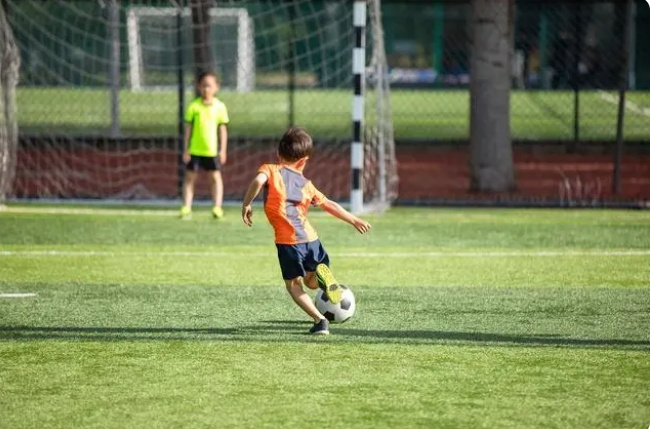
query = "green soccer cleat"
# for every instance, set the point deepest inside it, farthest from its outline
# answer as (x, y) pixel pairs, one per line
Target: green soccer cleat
(217, 212)
(328, 283)
(186, 213)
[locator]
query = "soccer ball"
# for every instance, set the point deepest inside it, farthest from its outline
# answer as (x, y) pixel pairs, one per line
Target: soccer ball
(340, 312)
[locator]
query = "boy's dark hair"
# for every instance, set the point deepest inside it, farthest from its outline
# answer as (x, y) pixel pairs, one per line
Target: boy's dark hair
(295, 144)
(205, 74)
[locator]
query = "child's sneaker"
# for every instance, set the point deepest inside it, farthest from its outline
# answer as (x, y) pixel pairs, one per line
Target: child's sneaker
(186, 213)
(217, 212)
(328, 283)
(321, 327)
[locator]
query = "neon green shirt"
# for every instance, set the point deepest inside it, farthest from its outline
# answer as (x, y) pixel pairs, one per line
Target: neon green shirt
(205, 120)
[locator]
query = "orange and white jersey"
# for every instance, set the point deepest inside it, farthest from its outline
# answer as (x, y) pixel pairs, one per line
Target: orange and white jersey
(287, 197)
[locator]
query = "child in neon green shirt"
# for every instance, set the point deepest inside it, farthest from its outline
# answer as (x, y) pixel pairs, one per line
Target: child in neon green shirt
(205, 119)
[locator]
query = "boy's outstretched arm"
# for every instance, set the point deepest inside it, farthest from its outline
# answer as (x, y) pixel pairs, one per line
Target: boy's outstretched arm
(336, 210)
(253, 189)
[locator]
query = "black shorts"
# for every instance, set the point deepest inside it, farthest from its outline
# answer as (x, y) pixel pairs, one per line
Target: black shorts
(207, 163)
(297, 259)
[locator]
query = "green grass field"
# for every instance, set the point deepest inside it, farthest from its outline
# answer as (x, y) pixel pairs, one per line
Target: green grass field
(480, 318)
(417, 114)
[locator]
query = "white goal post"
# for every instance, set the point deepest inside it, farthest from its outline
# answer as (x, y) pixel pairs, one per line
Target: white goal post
(244, 64)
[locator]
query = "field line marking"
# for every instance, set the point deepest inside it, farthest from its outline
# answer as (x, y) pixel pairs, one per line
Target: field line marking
(169, 213)
(113, 207)
(469, 254)
(17, 295)
(90, 211)
(495, 254)
(630, 105)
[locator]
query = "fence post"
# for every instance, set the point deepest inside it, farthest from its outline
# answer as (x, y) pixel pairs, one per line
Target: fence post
(577, 42)
(622, 89)
(438, 33)
(181, 95)
(631, 46)
(114, 66)
(543, 49)
(291, 66)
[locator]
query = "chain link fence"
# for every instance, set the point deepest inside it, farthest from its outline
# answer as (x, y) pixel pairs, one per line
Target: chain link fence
(566, 67)
(565, 72)
(110, 72)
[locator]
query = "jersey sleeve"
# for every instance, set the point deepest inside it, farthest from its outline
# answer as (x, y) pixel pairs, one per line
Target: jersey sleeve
(317, 197)
(265, 169)
(223, 118)
(189, 113)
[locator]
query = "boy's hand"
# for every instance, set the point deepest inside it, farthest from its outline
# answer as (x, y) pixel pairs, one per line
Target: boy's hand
(247, 215)
(223, 157)
(186, 157)
(361, 225)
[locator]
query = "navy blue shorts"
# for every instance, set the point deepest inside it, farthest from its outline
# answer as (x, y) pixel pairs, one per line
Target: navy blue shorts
(297, 259)
(207, 163)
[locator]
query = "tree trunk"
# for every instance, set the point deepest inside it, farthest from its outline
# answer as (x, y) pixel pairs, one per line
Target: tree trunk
(491, 161)
(201, 36)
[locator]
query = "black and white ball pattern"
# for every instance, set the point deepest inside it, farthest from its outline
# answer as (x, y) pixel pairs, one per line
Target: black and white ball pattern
(340, 312)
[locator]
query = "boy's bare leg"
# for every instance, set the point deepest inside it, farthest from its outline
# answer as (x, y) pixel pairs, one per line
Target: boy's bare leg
(188, 192)
(294, 287)
(311, 281)
(216, 189)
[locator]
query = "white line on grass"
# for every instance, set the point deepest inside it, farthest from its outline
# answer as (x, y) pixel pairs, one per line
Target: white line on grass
(630, 105)
(143, 208)
(117, 211)
(90, 211)
(17, 295)
(481, 254)
(468, 254)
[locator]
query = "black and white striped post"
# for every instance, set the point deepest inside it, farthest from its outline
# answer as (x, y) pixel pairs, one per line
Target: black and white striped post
(358, 69)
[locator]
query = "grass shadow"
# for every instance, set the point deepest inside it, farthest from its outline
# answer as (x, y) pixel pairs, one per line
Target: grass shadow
(296, 331)
(492, 338)
(97, 333)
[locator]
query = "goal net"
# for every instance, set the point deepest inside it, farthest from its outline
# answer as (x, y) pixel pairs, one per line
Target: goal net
(152, 30)
(99, 101)
(9, 64)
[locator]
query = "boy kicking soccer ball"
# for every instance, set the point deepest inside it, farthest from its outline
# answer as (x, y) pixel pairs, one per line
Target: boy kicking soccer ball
(205, 118)
(287, 197)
